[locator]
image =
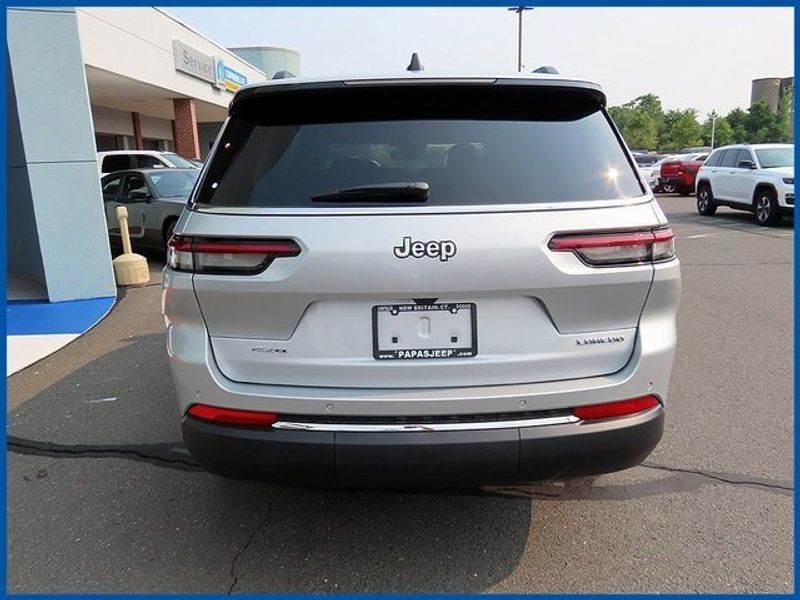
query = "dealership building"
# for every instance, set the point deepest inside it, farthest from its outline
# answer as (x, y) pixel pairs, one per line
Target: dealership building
(90, 79)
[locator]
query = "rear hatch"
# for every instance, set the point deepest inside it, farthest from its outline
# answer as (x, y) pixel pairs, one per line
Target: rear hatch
(397, 236)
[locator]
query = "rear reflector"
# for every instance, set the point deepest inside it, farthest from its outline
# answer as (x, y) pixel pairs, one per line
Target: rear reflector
(223, 255)
(617, 248)
(615, 409)
(230, 416)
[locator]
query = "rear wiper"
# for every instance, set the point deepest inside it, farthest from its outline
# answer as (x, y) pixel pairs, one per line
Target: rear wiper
(406, 191)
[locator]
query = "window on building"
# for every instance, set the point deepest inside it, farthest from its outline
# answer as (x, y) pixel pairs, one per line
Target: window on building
(106, 142)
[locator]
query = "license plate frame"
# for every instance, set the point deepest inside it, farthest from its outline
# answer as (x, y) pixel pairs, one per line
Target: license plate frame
(442, 352)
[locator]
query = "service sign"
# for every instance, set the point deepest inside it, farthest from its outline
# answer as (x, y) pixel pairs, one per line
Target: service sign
(193, 62)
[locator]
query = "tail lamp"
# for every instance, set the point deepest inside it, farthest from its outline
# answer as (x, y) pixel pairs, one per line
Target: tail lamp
(618, 248)
(230, 416)
(619, 408)
(225, 255)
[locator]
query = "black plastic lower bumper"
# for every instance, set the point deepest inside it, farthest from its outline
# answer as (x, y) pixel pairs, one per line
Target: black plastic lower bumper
(435, 459)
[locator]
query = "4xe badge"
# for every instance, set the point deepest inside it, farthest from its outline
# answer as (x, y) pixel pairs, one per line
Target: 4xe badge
(444, 250)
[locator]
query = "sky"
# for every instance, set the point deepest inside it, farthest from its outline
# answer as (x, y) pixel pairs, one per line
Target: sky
(702, 58)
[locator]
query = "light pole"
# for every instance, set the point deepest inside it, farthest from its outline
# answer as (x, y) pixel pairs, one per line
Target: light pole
(713, 115)
(519, 10)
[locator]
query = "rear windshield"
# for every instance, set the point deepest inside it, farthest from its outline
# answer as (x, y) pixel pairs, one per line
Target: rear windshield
(463, 161)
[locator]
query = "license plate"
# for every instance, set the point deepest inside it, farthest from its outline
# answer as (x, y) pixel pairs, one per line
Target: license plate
(424, 331)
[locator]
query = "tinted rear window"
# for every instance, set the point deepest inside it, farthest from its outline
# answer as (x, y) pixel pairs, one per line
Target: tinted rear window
(572, 155)
(116, 162)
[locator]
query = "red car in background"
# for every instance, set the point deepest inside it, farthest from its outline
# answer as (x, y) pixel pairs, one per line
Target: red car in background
(678, 175)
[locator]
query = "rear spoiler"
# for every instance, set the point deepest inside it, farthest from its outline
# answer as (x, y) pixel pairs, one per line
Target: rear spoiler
(298, 102)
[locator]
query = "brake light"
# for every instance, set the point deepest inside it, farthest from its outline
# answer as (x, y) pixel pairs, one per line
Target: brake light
(617, 248)
(229, 416)
(615, 409)
(224, 255)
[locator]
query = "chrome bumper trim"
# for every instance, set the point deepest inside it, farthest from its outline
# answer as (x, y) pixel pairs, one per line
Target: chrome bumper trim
(416, 427)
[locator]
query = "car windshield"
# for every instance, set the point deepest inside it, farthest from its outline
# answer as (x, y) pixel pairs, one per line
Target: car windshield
(776, 157)
(173, 184)
(179, 161)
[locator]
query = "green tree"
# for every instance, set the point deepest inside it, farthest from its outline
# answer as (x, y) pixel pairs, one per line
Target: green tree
(723, 132)
(739, 122)
(762, 124)
(641, 130)
(785, 120)
(682, 130)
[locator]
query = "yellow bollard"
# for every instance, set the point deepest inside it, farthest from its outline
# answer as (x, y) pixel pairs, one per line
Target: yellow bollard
(129, 268)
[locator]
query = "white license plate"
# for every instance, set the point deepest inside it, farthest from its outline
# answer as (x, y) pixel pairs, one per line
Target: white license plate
(424, 331)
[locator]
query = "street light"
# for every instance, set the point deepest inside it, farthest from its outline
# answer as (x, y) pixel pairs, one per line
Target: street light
(713, 114)
(519, 10)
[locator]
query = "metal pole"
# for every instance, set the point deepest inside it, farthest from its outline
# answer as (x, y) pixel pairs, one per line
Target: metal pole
(713, 127)
(519, 10)
(519, 45)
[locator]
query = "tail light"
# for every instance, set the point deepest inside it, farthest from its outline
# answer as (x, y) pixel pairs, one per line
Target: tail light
(223, 255)
(617, 248)
(615, 409)
(230, 416)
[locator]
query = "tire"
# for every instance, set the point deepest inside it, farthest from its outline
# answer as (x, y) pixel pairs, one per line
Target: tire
(668, 188)
(765, 207)
(705, 201)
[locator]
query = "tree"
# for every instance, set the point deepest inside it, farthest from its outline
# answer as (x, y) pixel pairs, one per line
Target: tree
(762, 124)
(640, 130)
(723, 132)
(681, 130)
(785, 121)
(739, 122)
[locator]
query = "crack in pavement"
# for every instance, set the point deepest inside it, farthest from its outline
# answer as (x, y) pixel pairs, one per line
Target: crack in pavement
(172, 455)
(256, 529)
(730, 478)
(165, 455)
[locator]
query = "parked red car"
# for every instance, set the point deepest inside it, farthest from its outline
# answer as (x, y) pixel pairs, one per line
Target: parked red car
(678, 175)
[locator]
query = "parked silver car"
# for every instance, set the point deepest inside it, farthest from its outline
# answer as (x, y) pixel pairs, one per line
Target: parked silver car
(421, 281)
(154, 199)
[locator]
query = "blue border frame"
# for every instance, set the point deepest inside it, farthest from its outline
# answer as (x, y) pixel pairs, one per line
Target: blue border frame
(358, 3)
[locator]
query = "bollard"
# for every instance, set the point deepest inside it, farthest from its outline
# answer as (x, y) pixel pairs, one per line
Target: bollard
(129, 268)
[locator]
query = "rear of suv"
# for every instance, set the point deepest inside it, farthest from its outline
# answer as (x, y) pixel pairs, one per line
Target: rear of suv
(406, 282)
(755, 177)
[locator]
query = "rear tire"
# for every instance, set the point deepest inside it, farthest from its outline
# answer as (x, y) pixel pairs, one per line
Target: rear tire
(668, 188)
(765, 207)
(705, 201)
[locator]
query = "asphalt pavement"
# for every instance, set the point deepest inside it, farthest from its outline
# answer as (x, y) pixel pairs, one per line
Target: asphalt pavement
(102, 496)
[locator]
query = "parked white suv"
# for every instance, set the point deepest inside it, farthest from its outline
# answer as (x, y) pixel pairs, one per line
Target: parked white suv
(754, 177)
(122, 160)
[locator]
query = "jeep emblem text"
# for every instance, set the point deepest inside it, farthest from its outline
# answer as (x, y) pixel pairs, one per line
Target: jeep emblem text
(444, 250)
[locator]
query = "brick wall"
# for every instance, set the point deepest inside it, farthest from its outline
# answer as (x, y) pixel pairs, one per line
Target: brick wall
(187, 142)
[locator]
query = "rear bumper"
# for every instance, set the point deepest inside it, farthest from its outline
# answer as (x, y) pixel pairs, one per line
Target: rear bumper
(435, 459)
(678, 181)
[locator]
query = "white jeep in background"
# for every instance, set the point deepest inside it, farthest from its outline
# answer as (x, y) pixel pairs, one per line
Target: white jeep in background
(754, 177)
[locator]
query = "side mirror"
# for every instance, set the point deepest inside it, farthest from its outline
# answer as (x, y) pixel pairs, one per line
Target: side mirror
(140, 196)
(746, 164)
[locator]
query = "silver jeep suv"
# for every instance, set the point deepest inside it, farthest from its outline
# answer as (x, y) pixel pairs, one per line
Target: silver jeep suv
(421, 281)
